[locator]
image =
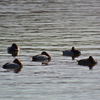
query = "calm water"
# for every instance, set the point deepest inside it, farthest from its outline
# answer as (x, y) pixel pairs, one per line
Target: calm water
(53, 26)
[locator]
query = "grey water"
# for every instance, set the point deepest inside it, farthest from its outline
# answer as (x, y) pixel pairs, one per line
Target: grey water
(52, 26)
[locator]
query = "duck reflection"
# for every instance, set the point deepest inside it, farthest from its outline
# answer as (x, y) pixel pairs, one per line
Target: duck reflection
(90, 62)
(72, 53)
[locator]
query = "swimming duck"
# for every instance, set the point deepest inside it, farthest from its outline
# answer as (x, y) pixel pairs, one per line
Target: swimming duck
(44, 57)
(90, 62)
(16, 66)
(14, 50)
(73, 53)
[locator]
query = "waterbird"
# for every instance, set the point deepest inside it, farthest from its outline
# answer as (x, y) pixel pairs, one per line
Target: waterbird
(73, 53)
(90, 62)
(14, 49)
(44, 57)
(16, 66)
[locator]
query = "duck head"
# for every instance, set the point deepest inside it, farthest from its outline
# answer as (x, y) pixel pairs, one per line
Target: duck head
(14, 45)
(75, 51)
(18, 62)
(45, 53)
(91, 59)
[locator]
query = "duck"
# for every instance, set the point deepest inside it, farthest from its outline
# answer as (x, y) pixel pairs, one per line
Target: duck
(14, 50)
(73, 53)
(44, 57)
(16, 66)
(90, 62)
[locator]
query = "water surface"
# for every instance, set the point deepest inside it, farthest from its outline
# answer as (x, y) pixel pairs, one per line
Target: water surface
(52, 26)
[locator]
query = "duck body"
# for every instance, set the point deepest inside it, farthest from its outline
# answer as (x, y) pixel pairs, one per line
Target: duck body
(71, 52)
(14, 50)
(44, 57)
(40, 58)
(68, 53)
(11, 65)
(87, 62)
(16, 66)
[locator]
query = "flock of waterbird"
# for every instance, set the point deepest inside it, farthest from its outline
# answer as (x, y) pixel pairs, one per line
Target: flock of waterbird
(45, 58)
